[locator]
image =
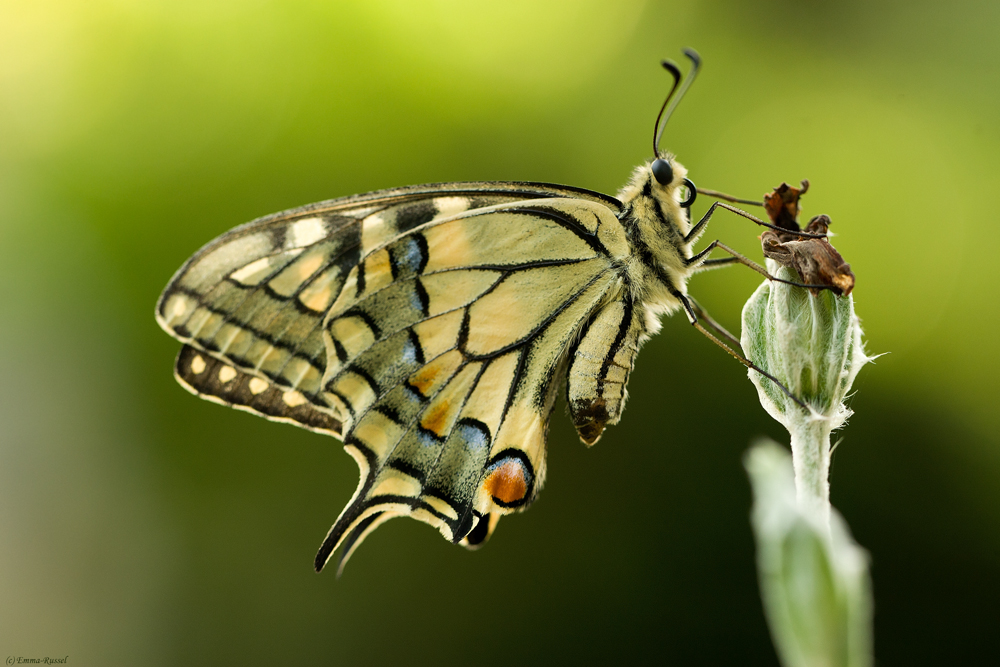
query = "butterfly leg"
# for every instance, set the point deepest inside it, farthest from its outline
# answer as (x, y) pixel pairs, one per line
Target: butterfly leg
(710, 264)
(722, 195)
(703, 316)
(697, 230)
(692, 311)
(697, 260)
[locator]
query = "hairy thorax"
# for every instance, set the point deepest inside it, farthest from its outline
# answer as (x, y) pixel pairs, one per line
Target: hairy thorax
(656, 226)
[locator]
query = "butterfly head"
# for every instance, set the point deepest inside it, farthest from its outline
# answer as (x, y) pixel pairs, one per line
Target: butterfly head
(658, 192)
(663, 179)
(670, 176)
(663, 173)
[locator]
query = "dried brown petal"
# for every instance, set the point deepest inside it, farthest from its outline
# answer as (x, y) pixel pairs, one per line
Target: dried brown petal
(782, 205)
(815, 260)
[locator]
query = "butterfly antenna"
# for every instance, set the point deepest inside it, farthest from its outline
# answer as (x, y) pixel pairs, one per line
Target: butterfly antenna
(666, 112)
(675, 72)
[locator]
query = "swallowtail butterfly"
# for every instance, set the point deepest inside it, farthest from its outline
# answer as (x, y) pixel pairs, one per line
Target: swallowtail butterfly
(431, 327)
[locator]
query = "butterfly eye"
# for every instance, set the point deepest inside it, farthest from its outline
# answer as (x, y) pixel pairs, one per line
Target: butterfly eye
(663, 172)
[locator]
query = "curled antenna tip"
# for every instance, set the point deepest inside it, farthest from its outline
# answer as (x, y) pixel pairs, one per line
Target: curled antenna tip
(668, 104)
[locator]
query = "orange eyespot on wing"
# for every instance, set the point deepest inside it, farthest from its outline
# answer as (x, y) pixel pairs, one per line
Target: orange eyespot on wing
(509, 478)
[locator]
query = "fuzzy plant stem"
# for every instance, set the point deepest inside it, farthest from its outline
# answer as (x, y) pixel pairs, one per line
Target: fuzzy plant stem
(811, 461)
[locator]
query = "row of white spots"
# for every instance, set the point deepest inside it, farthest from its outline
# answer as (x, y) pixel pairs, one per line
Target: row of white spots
(256, 385)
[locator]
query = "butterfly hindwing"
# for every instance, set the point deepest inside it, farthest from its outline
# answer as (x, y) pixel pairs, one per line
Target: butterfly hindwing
(215, 380)
(430, 324)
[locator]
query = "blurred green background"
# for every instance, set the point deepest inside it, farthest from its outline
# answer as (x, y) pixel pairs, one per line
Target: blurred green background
(139, 525)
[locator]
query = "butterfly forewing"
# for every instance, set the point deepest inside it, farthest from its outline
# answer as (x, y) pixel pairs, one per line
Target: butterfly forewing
(428, 326)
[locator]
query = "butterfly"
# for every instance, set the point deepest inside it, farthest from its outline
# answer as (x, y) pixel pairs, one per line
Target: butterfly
(430, 328)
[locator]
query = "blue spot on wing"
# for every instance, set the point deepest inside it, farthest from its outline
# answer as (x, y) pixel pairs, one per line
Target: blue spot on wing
(428, 439)
(409, 256)
(410, 352)
(475, 434)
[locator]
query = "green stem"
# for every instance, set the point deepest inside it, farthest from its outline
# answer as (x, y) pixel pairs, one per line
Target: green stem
(811, 460)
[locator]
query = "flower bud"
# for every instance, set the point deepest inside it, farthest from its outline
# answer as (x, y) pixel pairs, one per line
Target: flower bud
(810, 342)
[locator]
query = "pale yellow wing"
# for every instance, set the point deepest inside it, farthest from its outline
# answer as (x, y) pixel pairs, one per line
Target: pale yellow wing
(435, 342)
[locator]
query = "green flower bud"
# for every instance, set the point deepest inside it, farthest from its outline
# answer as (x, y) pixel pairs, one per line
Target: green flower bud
(811, 343)
(813, 576)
